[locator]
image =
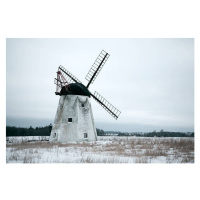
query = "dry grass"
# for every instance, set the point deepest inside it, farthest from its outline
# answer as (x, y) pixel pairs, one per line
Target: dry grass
(114, 150)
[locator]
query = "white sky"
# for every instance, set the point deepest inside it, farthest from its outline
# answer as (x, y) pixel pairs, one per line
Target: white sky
(151, 81)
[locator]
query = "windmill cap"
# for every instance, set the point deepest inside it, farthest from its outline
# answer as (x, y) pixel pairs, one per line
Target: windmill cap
(75, 89)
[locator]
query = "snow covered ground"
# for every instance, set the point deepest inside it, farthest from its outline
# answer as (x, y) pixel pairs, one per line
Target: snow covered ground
(108, 149)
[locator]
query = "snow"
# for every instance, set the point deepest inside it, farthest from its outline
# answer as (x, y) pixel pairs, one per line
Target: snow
(108, 149)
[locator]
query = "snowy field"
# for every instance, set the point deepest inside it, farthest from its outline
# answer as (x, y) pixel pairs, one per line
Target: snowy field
(108, 149)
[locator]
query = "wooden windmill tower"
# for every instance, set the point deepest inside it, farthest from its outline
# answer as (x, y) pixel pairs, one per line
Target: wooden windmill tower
(74, 118)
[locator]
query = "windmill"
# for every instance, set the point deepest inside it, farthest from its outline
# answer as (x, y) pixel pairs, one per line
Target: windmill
(74, 118)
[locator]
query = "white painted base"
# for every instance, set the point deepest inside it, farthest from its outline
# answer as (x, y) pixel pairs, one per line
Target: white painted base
(82, 128)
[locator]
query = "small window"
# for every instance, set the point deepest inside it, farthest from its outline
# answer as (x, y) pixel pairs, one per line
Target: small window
(82, 105)
(54, 134)
(85, 135)
(69, 119)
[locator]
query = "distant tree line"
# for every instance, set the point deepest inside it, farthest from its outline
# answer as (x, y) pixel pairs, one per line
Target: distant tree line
(38, 131)
(100, 132)
(46, 131)
(168, 134)
(162, 133)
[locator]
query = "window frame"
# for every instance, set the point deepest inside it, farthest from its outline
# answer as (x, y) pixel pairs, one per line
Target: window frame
(85, 135)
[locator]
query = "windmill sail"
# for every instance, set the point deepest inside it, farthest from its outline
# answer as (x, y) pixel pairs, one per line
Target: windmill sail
(106, 105)
(96, 67)
(58, 85)
(67, 76)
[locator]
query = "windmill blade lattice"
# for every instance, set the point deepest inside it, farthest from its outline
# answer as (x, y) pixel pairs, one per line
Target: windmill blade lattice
(68, 76)
(106, 105)
(58, 85)
(96, 67)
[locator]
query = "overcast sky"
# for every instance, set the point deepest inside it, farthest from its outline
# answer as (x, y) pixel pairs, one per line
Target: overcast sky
(151, 81)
